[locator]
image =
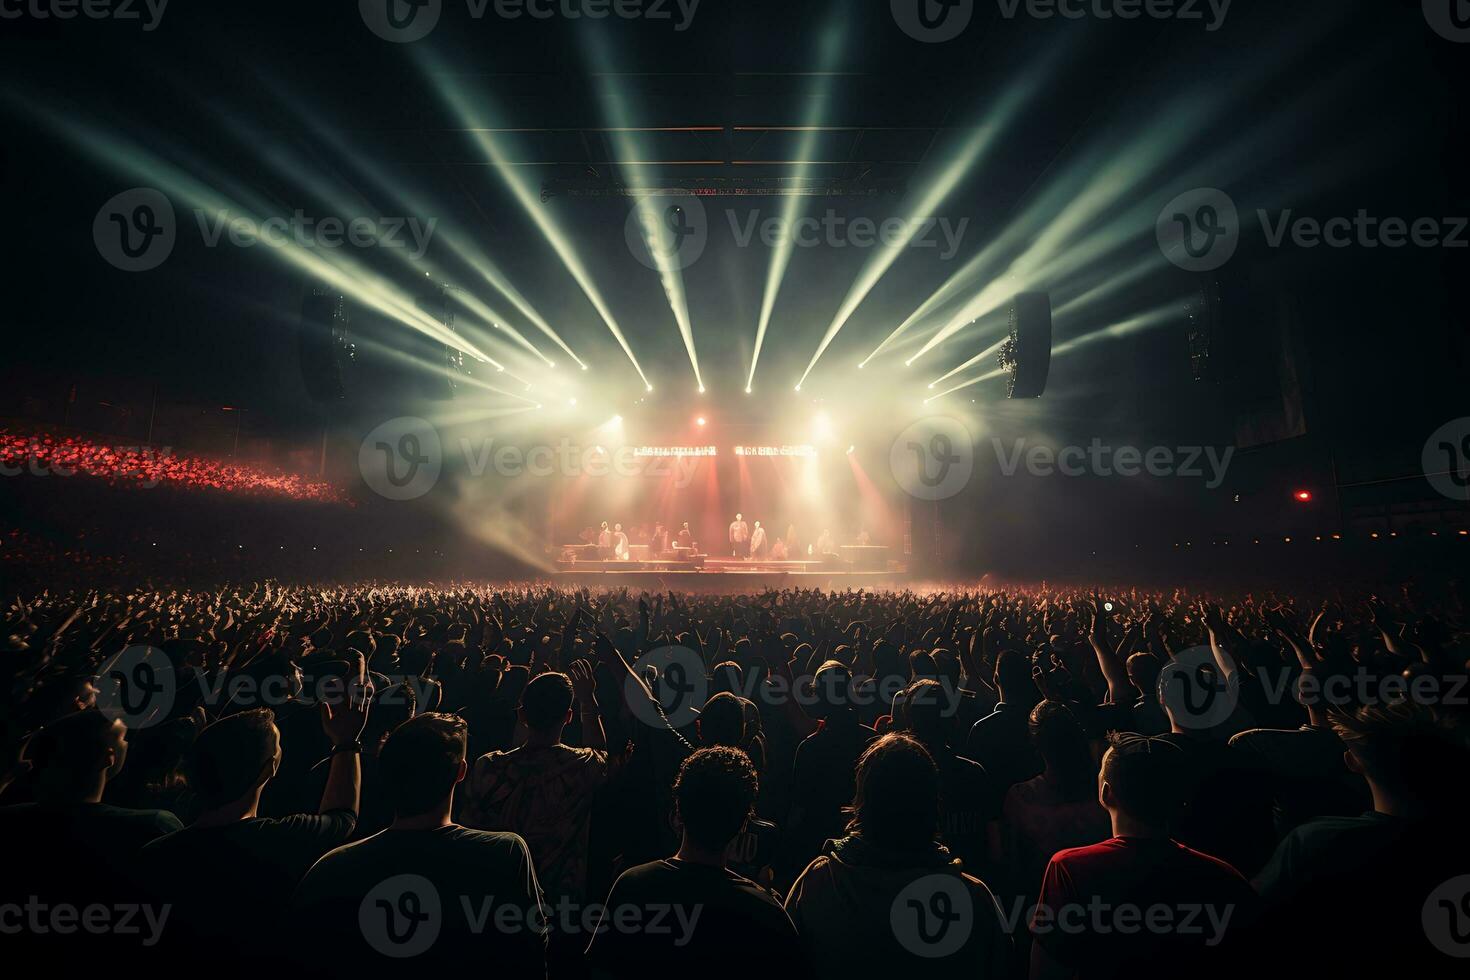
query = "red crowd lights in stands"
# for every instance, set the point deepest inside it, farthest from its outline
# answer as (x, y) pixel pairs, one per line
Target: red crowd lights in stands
(144, 467)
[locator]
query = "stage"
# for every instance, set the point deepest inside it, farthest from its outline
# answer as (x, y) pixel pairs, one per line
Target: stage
(724, 574)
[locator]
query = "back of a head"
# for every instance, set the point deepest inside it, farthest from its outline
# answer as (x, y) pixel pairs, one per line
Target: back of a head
(1013, 675)
(1143, 670)
(921, 664)
(1413, 750)
(714, 794)
(70, 751)
(1062, 743)
(1144, 775)
(722, 722)
(889, 661)
(421, 761)
(832, 689)
(393, 704)
(726, 676)
(546, 701)
(923, 710)
(228, 757)
(897, 801)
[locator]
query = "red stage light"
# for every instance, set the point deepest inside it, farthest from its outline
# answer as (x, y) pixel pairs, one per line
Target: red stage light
(1303, 496)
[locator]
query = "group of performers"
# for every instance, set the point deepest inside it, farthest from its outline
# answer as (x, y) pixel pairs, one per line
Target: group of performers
(747, 541)
(750, 542)
(613, 543)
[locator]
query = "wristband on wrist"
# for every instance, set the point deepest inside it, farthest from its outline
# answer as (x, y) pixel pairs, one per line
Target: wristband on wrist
(354, 746)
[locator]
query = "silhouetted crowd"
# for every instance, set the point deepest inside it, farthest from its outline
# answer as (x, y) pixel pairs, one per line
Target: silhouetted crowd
(532, 781)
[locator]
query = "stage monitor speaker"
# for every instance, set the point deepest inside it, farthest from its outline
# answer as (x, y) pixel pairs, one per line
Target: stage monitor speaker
(326, 351)
(1026, 354)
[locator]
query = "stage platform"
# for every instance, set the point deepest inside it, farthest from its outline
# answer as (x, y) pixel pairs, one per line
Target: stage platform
(710, 572)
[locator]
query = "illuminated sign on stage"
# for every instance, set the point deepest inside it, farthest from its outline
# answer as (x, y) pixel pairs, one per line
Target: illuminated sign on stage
(674, 452)
(798, 452)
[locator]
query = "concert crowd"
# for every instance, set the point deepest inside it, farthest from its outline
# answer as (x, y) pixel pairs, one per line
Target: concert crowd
(533, 781)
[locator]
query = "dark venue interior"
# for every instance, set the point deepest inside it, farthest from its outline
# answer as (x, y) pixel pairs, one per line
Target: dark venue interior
(646, 488)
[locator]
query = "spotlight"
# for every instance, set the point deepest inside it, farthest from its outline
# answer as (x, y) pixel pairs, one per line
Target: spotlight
(798, 387)
(1303, 496)
(584, 367)
(701, 389)
(551, 364)
(747, 391)
(699, 421)
(851, 450)
(649, 388)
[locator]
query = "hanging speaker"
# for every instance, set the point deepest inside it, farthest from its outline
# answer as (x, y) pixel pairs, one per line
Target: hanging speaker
(442, 381)
(326, 351)
(1026, 354)
(1203, 316)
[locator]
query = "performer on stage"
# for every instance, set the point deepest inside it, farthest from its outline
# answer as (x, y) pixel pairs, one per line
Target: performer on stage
(604, 543)
(864, 538)
(739, 536)
(620, 543)
(660, 542)
(824, 542)
(778, 550)
(757, 540)
(685, 538)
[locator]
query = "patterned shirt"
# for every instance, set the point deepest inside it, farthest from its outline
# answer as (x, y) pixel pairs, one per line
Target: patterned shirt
(544, 794)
